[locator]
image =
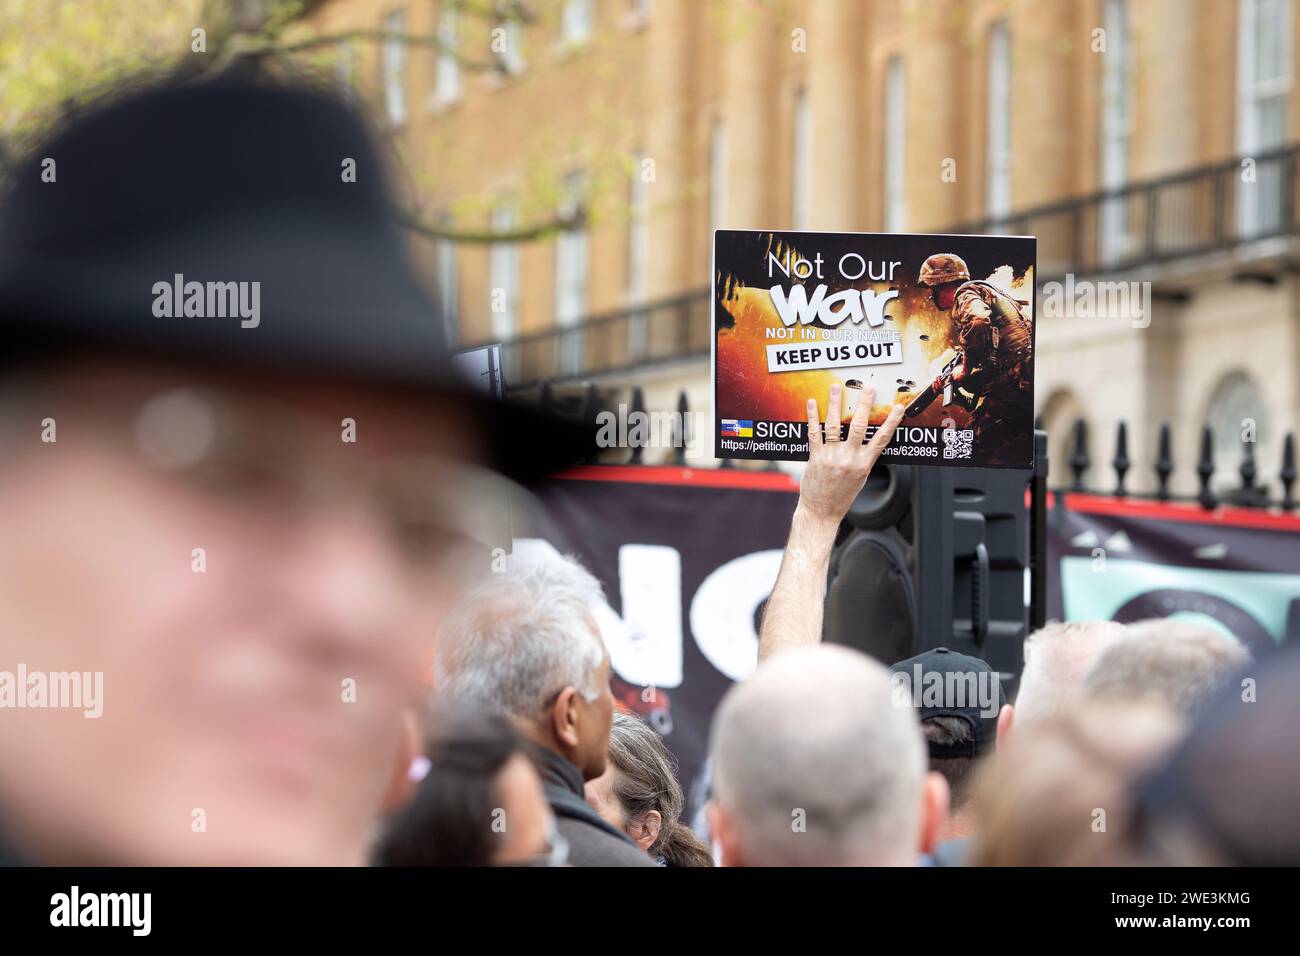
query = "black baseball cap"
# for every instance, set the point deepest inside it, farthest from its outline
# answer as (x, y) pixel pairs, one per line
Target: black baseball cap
(945, 696)
(238, 180)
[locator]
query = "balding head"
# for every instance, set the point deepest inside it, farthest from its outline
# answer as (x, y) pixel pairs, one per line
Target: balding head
(813, 764)
(1176, 661)
(1057, 657)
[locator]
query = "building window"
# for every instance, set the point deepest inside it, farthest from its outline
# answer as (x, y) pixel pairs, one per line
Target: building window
(1116, 128)
(448, 290)
(801, 163)
(571, 275)
(1235, 413)
(503, 296)
(394, 66)
(575, 22)
(447, 73)
(1263, 89)
(998, 122)
(717, 177)
(895, 145)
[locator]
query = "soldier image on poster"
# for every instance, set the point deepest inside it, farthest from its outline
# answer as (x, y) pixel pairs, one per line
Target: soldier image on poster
(994, 342)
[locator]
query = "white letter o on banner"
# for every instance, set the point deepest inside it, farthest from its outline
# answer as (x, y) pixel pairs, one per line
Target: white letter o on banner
(722, 611)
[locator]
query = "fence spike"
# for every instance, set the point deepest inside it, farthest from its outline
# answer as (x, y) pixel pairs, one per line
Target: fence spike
(1205, 469)
(679, 430)
(1079, 457)
(1288, 474)
(637, 405)
(1121, 462)
(1247, 469)
(1164, 464)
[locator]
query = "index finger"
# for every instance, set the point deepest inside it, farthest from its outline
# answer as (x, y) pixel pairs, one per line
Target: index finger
(814, 425)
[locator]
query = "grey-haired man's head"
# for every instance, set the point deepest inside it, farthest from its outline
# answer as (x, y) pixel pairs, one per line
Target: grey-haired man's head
(525, 645)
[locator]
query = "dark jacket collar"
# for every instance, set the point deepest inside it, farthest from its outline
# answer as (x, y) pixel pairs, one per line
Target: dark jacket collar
(562, 782)
(555, 770)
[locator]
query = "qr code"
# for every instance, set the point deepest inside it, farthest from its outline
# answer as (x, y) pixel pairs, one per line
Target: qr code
(957, 442)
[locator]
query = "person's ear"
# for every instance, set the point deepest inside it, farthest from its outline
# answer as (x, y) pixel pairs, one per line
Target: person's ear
(564, 718)
(1005, 718)
(645, 828)
(935, 797)
(722, 835)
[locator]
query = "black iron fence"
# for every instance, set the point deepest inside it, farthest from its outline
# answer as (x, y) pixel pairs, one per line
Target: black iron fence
(1252, 490)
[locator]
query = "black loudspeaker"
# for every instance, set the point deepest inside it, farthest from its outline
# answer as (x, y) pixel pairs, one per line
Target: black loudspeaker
(941, 557)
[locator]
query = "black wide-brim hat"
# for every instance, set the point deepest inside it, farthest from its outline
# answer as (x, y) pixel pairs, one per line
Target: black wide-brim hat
(231, 180)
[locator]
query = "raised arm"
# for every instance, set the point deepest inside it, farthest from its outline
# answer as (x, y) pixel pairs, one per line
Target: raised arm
(835, 474)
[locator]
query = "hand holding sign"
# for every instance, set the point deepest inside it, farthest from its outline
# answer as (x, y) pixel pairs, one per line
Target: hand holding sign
(837, 469)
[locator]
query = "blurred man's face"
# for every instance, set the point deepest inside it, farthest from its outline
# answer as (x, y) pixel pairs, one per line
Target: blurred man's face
(252, 690)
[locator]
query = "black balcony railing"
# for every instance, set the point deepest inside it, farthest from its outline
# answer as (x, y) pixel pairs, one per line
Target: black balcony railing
(656, 332)
(1194, 213)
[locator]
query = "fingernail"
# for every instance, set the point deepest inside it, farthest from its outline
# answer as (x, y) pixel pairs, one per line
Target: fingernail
(835, 391)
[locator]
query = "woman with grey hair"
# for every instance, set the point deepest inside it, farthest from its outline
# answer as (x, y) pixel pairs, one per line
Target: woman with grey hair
(639, 794)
